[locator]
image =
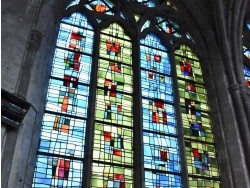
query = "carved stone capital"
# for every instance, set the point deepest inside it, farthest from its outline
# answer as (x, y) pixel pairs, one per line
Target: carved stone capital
(239, 88)
(35, 40)
(234, 88)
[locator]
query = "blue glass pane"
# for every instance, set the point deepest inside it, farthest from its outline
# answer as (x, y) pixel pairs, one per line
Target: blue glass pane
(57, 172)
(62, 135)
(161, 180)
(154, 56)
(161, 152)
(156, 86)
(158, 116)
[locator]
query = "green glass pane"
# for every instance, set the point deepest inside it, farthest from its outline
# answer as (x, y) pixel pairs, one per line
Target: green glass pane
(197, 128)
(113, 144)
(104, 175)
(197, 182)
(188, 65)
(114, 107)
(115, 45)
(114, 76)
(201, 159)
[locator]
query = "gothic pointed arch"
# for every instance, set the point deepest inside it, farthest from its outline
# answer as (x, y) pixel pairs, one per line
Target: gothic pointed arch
(124, 108)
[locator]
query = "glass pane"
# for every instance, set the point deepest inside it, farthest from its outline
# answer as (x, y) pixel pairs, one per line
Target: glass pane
(246, 52)
(57, 172)
(168, 26)
(158, 116)
(201, 159)
(162, 180)
(161, 152)
(62, 135)
(113, 144)
(104, 175)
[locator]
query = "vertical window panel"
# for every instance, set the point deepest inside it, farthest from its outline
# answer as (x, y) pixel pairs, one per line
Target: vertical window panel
(61, 148)
(161, 151)
(113, 140)
(199, 143)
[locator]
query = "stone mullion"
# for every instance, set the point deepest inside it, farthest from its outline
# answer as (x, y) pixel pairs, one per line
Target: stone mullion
(180, 133)
(33, 45)
(139, 179)
(90, 123)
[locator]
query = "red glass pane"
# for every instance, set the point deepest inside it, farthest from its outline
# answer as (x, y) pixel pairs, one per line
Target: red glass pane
(117, 152)
(107, 136)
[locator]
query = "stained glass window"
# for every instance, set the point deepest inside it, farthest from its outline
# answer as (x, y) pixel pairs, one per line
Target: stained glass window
(113, 140)
(107, 56)
(61, 148)
(161, 151)
(199, 144)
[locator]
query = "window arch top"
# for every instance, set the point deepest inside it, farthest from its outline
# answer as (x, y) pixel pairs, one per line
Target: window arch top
(146, 3)
(166, 25)
(74, 2)
(78, 20)
(246, 52)
(189, 65)
(117, 44)
(101, 6)
(152, 49)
